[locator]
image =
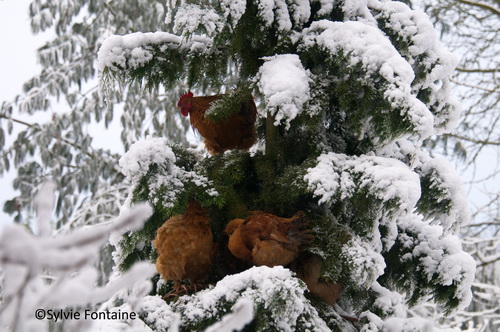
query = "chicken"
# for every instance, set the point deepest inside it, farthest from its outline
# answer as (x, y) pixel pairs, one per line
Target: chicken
(236, 132)
(185, 248)
(266, 239)
(309, 270)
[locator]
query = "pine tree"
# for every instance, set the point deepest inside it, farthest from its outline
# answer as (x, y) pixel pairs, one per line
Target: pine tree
(347, 93)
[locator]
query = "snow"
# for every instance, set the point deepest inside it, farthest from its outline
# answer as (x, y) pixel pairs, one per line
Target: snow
(44, 205)
(395, 324)
(366, 46)
(275, 10)
(415, 28)
(142, 154)
(326, 6)
(357, 10)
(284, 83)
(274, 289)
(191, 17)
(389, 302)
(446, 179)
(137, 162)
(365, 264)
(441, 258)
(300, 11)
(242, 315)
(70, 258)
(233, 9)
(385, 178)
(116, 51)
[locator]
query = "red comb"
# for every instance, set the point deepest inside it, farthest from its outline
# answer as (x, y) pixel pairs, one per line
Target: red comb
(188, 94)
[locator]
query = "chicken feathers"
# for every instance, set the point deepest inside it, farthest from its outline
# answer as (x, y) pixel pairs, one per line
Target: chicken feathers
(236, 132)
(185, 247)
(309, 270)
(266, 239)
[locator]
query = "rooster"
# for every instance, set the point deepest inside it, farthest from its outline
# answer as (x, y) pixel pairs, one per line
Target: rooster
(266, 239)
(185, 248)
(236, 132)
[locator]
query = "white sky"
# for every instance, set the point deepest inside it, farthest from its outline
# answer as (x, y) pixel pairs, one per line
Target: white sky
(17, 65)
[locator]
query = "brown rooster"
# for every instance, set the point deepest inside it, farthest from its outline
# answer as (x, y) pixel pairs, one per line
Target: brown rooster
(266, 239)
(185, 248)
(236, 132)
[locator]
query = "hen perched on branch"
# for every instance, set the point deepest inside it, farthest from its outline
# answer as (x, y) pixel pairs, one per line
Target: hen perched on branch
(237, 131)
(266, 239)
(185, 248)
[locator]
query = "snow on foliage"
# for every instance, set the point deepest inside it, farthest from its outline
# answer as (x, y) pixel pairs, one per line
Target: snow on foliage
(135, 50)
(156, 153)
(127, 51)
(242, 315)
(365, 264)
(424, 54)
(443, 200)
(334, 177)
(391, 187)
(395, 324)
(366, 47)
(41, 272)
(338, 177)
(440, 257)
(451, 199)
(389, 302)
(284, 84)
(261, 292)
(326, 6)
(192, 18)
(281, 13)
(233, 10)
(142, 154)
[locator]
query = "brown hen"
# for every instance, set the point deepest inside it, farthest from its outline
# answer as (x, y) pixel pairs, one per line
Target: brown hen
(185, 248)
(309, 270)
(236, 132)
(266, 239)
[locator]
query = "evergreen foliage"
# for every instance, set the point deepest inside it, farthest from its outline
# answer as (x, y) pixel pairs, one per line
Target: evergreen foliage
(348, 92)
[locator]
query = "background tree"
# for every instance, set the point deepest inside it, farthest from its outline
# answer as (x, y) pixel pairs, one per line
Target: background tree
(90, 186)
(348, 93)
(470, 29)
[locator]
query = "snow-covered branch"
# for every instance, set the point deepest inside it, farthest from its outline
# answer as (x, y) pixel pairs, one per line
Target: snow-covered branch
(68, 259)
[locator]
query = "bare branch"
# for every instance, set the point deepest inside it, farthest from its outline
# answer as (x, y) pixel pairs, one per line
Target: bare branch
(473, 140)
(481, 5)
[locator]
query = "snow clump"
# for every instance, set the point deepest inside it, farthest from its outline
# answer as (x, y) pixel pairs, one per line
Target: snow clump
(284, 84)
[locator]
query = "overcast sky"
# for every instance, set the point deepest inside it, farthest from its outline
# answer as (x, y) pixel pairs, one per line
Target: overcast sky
(17, 65)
